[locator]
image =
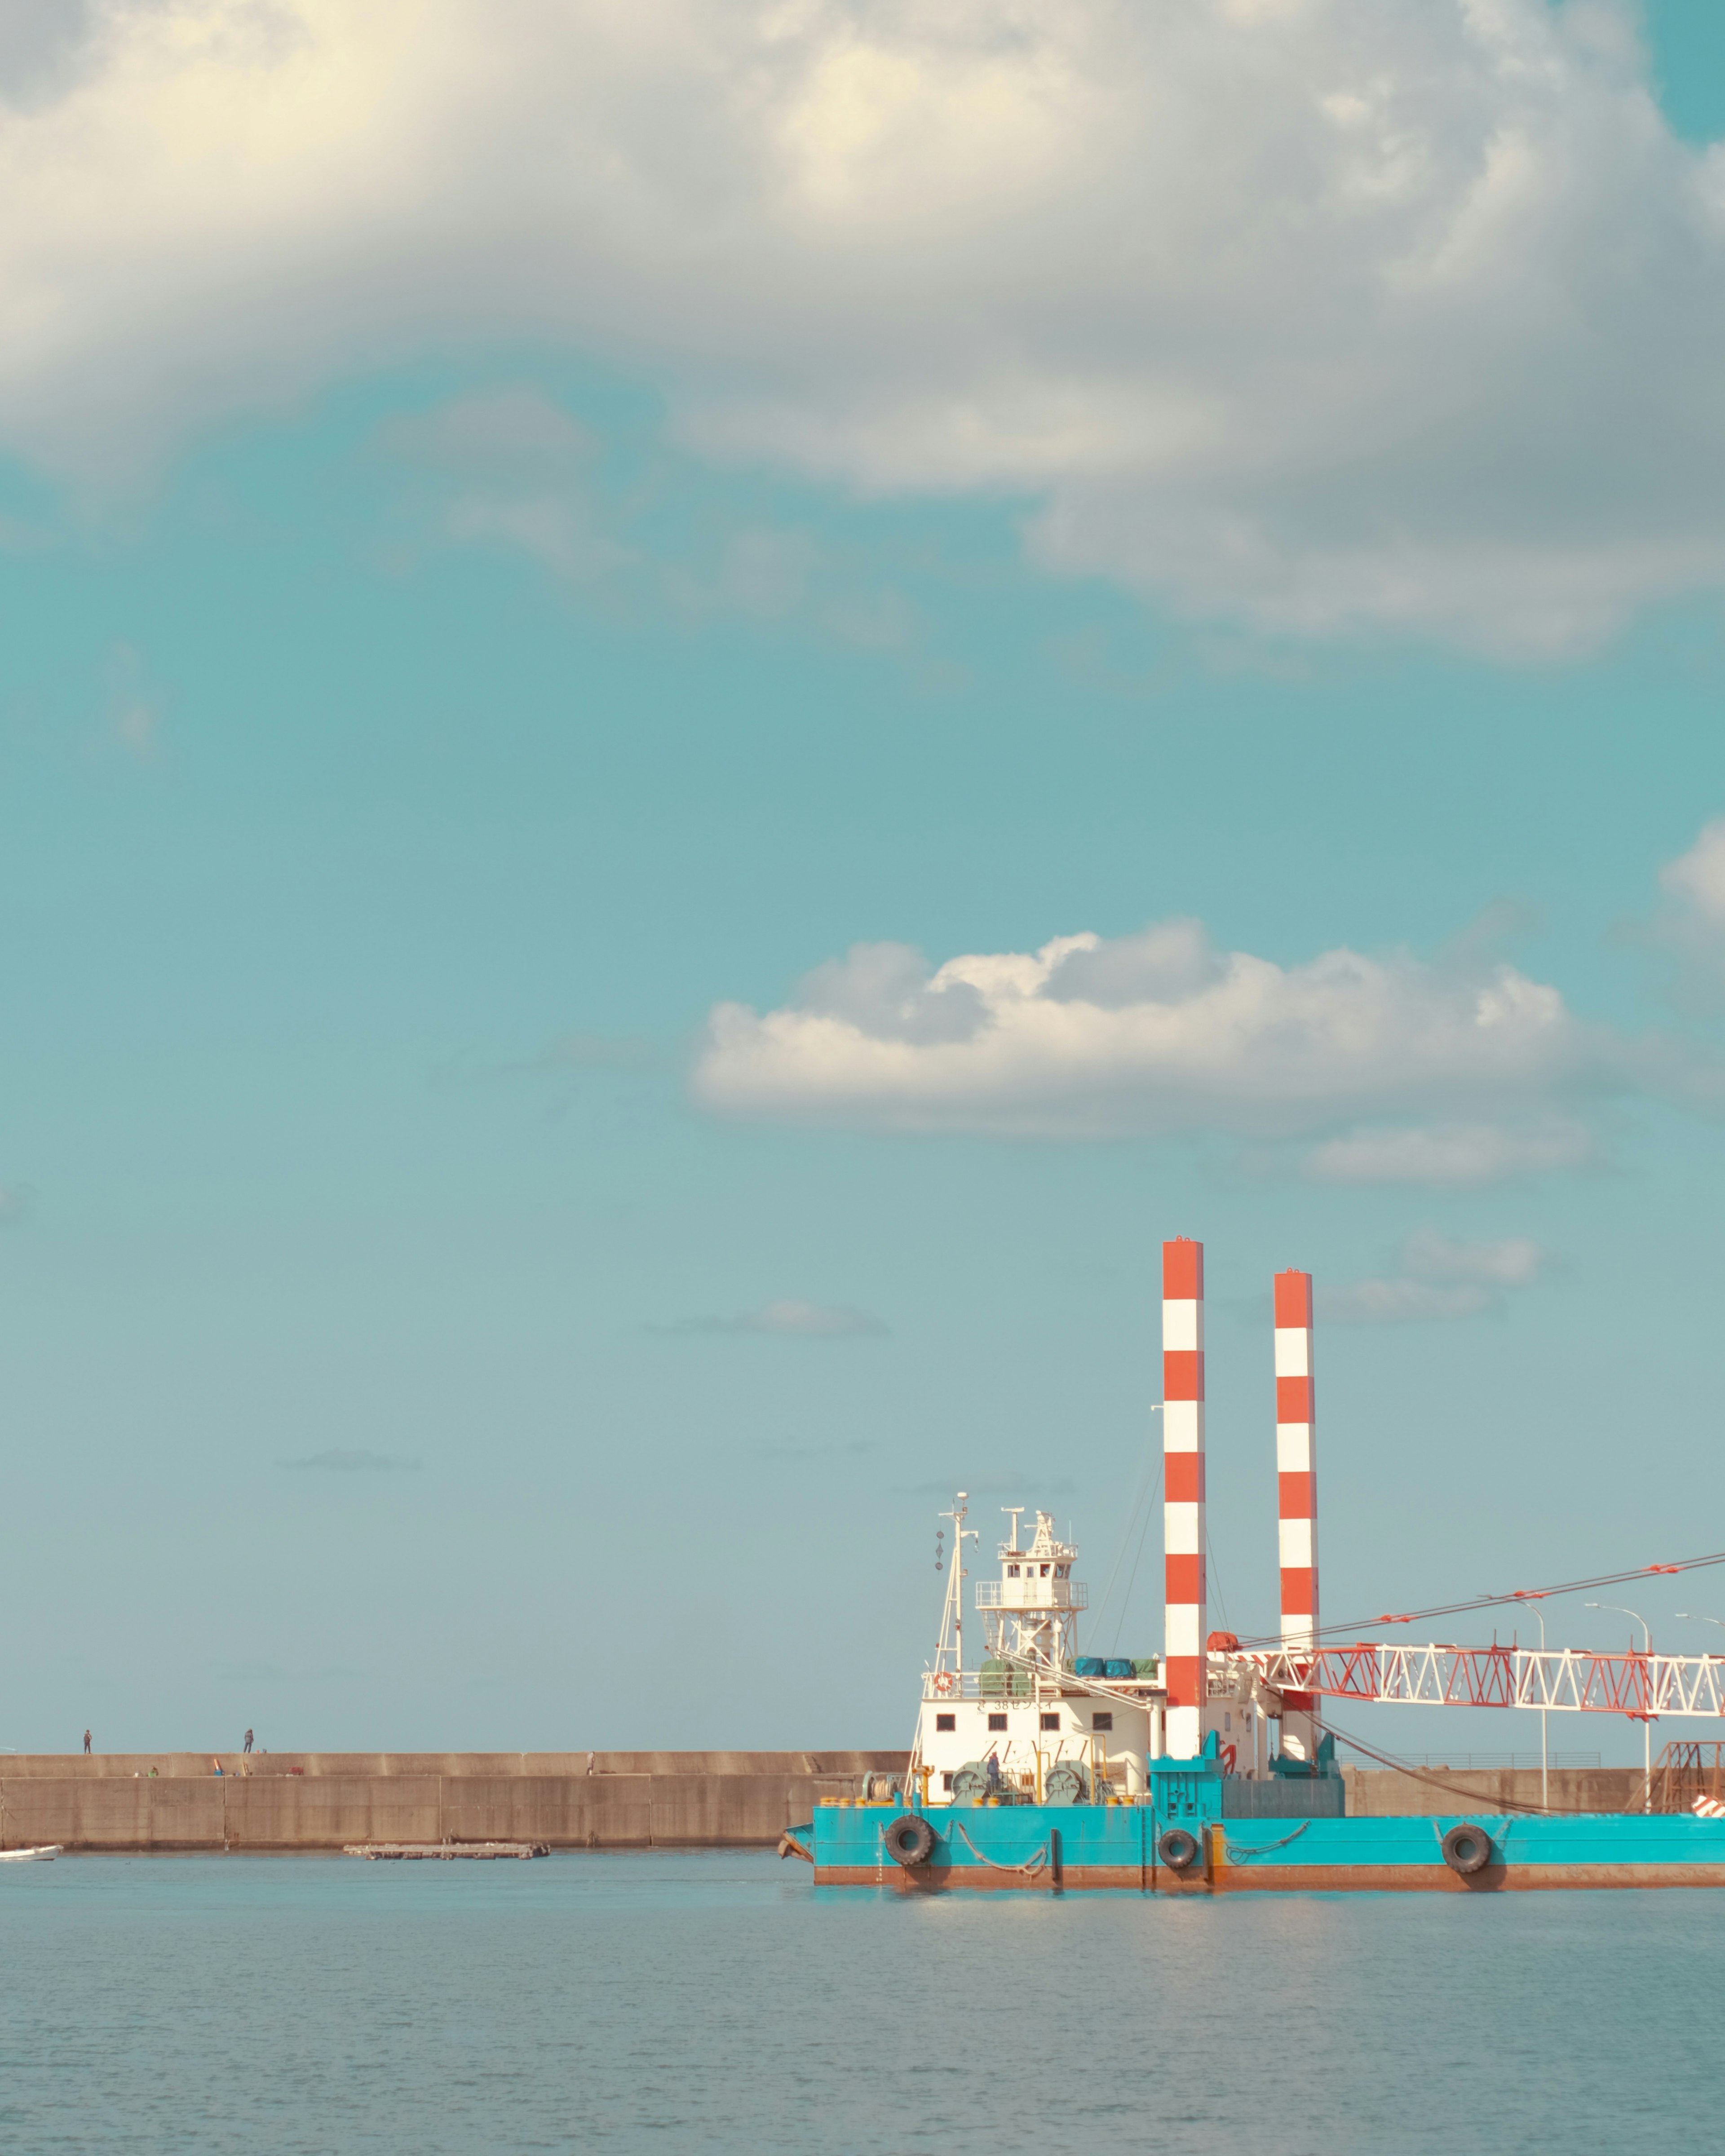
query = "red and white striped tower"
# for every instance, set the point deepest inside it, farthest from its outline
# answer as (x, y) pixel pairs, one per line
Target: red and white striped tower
(1185, 1669)
(1297, 1497)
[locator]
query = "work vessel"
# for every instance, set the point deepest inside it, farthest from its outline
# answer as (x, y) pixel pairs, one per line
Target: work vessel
(1207, 1769)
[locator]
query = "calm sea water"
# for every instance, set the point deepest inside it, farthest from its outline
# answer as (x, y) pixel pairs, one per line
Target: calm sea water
(719, 2001)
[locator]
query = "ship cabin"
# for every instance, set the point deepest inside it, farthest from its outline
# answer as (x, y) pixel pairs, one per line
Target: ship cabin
(1036, 1721)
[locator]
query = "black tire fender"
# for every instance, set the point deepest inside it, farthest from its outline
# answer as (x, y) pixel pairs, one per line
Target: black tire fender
(1467, 1848)
(909, 1840)
(1178, 1849)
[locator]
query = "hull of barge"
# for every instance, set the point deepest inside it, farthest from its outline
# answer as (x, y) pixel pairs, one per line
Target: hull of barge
(1039, 1849)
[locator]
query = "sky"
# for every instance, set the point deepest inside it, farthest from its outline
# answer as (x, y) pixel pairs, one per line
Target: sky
(702, 709)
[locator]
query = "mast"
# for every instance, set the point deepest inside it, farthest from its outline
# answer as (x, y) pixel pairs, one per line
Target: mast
(952, 1607)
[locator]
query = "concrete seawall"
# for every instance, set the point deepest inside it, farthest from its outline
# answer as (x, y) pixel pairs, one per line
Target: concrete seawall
(1379, 1792)
(168, 1802)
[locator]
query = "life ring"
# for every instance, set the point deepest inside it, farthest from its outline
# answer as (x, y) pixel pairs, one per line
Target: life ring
(1178, 1850)
(1228, 1756)
(1467, 1848)
(946, 1684)
(909, 1840)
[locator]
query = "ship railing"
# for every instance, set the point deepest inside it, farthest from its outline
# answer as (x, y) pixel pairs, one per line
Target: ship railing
(1022, 1680)
(1032, 1594)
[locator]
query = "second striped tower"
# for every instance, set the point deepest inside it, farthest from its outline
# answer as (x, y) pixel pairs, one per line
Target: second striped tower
(1185, 1667)
(1297, 1497)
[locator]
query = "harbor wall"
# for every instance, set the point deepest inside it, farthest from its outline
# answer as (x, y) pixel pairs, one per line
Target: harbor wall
(1380, 1792)
(166, 1802)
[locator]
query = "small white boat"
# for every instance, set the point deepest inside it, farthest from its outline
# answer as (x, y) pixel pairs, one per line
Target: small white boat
(29, 1856)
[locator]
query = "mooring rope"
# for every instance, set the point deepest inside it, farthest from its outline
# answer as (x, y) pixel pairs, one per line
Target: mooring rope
(1267, 1846)
(1038, 1862)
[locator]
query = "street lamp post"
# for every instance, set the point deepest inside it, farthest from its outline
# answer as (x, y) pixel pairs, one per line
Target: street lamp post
(1647, 1719)
(1545, 1777)
(1544, 1773)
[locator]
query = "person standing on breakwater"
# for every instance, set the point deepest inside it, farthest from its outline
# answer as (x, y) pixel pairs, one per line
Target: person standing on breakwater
(248, 1740)
(86, 1744)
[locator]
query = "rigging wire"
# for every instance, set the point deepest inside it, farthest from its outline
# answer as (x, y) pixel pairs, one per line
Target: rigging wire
(1150, 1467)
(1213, 1576)
(1144, 1537)
(1353, 1624)
(1474, 1800)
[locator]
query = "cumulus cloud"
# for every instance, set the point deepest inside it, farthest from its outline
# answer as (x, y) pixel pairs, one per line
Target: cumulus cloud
(1326, 313)
(1438, 1278)
(789, 1320)
(1160, 1034)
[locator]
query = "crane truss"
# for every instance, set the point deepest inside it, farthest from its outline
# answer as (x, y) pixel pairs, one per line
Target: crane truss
(1564, 1681)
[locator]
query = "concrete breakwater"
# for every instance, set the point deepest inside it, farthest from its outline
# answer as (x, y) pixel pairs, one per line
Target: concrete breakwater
(1382, 1793)
(284, 1801)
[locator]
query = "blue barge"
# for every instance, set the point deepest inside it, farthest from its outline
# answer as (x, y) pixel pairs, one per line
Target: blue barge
(1186, 1837)
(1047, 1769)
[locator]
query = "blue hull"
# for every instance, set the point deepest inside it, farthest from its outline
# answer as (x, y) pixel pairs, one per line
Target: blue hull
(1043, 1847)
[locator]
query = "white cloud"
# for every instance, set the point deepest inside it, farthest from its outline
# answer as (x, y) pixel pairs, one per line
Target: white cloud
(506, 468)
(1696, 880)
(1689, 928)
(1438, 1279)
(1397, 1302)
(1327, 313)
(789, 1320)
(1455, 1155)
(1510, 1261)
(1159, 1034)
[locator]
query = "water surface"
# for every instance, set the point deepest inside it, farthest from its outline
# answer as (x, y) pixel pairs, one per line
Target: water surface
(717, 2000)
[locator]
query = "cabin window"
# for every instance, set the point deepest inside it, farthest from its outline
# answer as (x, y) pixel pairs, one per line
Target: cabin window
(1051, 1721)
(1012, 1572)
(1063, 1571)
(1044, 1571)
(997, 1721)
(946, 1721)
(1101, 1721)
(946, 1784)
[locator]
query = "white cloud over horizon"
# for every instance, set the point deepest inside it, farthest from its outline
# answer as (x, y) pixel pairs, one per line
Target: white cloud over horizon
(1326, 315)
(1438, 1278)
(1456, 1155)
(1402, 1069)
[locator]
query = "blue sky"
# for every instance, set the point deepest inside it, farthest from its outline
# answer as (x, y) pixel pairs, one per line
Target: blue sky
(454, 644)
